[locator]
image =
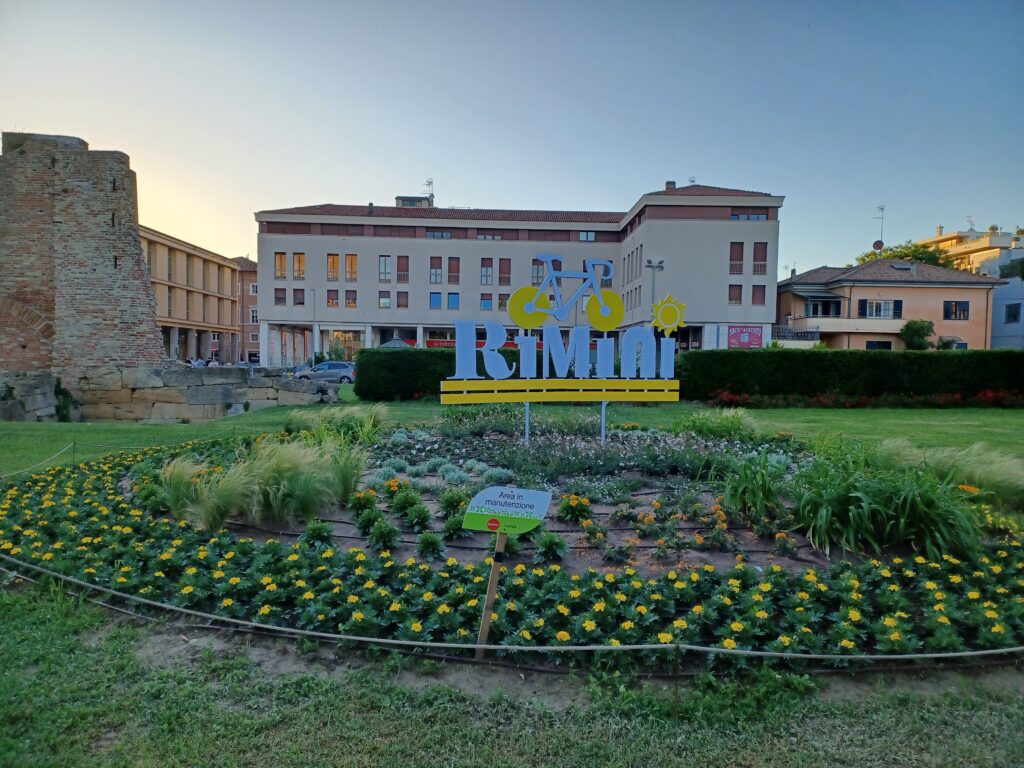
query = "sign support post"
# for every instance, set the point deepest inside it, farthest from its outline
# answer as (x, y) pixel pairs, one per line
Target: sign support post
(492, 589)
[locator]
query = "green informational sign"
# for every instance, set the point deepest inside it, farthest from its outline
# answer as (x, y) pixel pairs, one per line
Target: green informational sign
(507, 510)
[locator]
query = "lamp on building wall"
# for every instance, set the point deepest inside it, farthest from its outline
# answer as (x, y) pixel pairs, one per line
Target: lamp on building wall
(655, 267)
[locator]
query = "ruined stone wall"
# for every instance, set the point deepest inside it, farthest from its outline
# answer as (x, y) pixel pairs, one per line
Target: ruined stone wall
(74, 288)
(29, 396)
(156, 395)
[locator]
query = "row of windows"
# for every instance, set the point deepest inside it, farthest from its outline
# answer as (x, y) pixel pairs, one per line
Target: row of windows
(760, 258)
(757, 295)
(401, 273)
(889, 309)
(631, 264)
(383, 300)
(441, 233)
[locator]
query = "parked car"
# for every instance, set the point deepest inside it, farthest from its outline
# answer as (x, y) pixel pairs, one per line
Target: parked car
(330, 370)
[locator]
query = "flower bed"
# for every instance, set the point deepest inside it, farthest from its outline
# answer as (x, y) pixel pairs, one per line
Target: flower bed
(86, 522)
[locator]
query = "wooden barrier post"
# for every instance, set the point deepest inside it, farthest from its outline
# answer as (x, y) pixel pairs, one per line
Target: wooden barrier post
(492, 588)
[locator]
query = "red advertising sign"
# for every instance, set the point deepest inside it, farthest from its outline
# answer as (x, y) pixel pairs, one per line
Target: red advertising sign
(745, 336)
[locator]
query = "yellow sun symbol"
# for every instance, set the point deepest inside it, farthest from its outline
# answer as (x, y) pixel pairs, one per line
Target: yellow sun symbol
(668, 314)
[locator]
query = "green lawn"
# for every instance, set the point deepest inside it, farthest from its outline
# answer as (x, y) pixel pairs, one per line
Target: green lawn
(24, 444)
(77, 690)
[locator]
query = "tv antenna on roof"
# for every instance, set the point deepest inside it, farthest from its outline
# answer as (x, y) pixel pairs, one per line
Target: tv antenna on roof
(970, 222)
(429, 185)
(881, 216)
(692, 179)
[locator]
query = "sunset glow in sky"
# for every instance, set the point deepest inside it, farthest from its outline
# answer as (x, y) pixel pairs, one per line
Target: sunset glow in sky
(228, 108)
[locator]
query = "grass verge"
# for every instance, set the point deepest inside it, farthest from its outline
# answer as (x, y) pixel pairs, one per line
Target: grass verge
(79, 691)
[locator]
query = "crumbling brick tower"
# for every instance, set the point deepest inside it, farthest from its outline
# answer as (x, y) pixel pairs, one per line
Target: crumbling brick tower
(74, 287)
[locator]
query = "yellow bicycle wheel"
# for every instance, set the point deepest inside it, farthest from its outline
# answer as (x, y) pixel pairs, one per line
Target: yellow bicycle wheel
(616, 311)
(517, 311)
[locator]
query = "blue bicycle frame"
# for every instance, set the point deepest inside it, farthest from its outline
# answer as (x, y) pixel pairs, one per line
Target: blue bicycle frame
(552, 280)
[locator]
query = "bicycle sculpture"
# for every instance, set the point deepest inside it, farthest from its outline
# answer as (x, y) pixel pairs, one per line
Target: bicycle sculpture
(531, 305)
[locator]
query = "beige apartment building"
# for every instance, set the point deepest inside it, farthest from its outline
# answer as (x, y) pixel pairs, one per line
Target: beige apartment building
(362, 275)
(971, 250)
(864, 307)
(196, 298)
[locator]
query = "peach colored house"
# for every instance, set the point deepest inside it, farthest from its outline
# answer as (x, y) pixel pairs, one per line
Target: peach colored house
(864, 307)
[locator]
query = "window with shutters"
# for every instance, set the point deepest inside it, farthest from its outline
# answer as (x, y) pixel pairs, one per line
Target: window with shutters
(760, 258)
(454, 269)
(956, 310)
(486, 271)
(504, 271)
(402, 272)
(435, 271)
(735, 258)
(333, 266)
(735, 294)
(757, 295)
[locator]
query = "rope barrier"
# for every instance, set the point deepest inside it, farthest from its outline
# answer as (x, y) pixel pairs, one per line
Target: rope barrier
(328, 636)
(66, 448)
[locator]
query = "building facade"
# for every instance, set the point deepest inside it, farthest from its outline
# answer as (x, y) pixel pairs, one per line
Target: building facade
(248, 321)
(196, 294)
(864, 307)
(996, 254)
(74, 291)
(358, 276)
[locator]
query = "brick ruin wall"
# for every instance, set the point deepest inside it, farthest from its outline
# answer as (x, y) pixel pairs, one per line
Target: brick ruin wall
(75, 291)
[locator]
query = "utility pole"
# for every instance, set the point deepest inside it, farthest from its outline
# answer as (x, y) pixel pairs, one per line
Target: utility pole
(881, 226)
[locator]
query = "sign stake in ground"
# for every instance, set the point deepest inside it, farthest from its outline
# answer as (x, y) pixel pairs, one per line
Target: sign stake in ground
(502, 510)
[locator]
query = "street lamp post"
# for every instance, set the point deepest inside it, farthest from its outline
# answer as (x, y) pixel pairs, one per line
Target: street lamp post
(655, 267)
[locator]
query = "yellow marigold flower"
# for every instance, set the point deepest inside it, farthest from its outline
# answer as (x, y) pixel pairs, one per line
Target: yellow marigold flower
(562, 636)
(327, 553)
(889, 621)
(973, 595)
(443, 609)
(847, 643)
(997, 628)
(956, 579)
(191, 570)
(764, 586)
(472, 603)
(854, 615)
(762, 614)
(264, 610)
(895, 636)
(187, 589)
(48, 556)
(266, 580)
(641, 609)
(416, 627)
(590, 625)
(698, 609)
(226, 602)
(943, 619)
(300, 582)
(293, 556)
(428, 596)
(803, 595)
(736, 626)
(709, 568)
(785, 640)
(665, 637)
(308, 596)
(234, 580)
(357, 616)
(271, 587)
(353, 598)
(969, 488)
(526, 634)
(729, 643)
(562, 610)
(627, 624)
(599, 606)
(991, 615)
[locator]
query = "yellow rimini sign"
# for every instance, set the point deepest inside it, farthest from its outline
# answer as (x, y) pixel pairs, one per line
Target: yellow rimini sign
(637, 366)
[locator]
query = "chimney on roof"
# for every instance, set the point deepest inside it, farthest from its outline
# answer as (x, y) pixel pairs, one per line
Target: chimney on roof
(938, 230)
(669, 186)
(370, 211)
(792, 272)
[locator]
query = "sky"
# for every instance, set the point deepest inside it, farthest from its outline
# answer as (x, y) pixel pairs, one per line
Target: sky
(226, 108)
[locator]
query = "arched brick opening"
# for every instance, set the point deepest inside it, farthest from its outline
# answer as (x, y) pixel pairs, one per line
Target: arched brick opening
(26, 337)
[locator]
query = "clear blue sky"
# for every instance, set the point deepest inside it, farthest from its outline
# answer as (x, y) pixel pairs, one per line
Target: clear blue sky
(228, 108)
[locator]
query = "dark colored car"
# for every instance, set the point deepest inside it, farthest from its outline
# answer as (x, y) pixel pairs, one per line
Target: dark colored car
(330, 370)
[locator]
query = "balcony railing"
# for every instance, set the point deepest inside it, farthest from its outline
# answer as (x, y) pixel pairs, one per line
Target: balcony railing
(782, 333)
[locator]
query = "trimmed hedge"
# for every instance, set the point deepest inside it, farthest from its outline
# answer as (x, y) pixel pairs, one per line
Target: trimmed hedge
(409, 374)
(847, 372)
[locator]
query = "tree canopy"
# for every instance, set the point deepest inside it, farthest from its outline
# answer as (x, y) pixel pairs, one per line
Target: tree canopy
(909, 251)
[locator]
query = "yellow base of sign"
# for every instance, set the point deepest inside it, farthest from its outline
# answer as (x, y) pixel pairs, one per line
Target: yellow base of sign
(467, 391)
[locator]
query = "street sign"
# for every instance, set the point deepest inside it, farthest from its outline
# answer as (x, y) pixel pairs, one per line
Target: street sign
(501, 509)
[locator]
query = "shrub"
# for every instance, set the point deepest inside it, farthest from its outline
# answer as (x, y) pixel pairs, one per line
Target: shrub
(228, 494)
(190, 492)
(363, 500)
(550, 546)
(753, 491)
(840, 502)
(368, 518)
(408, 374)
(453, 475)
(453, 527)
(717, 424)
(382, 535)
(452, 501)
(292, 482)
(499, 476)
(846, 372)
(998, 475)
(574, 508)
(429, 545)
(346, 466)
(180, 486)
(417, 517)
(404, 500)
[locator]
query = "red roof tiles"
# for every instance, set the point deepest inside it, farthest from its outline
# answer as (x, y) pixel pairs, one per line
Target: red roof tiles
(889, 271)
(488, 214)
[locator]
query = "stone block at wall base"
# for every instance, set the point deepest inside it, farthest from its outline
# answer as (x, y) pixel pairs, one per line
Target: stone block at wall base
(258, 381)
(39, 402)
(215, 394)
(101, 378)
(138, 378)
(99, 411)
(259, 405)
(160, 395)
(46, 414)
(259, 394)
(287, 397)
(96, 396)
(224, 375)
(133, 411)
(186, 377)
(11, 410)
(299, 385)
